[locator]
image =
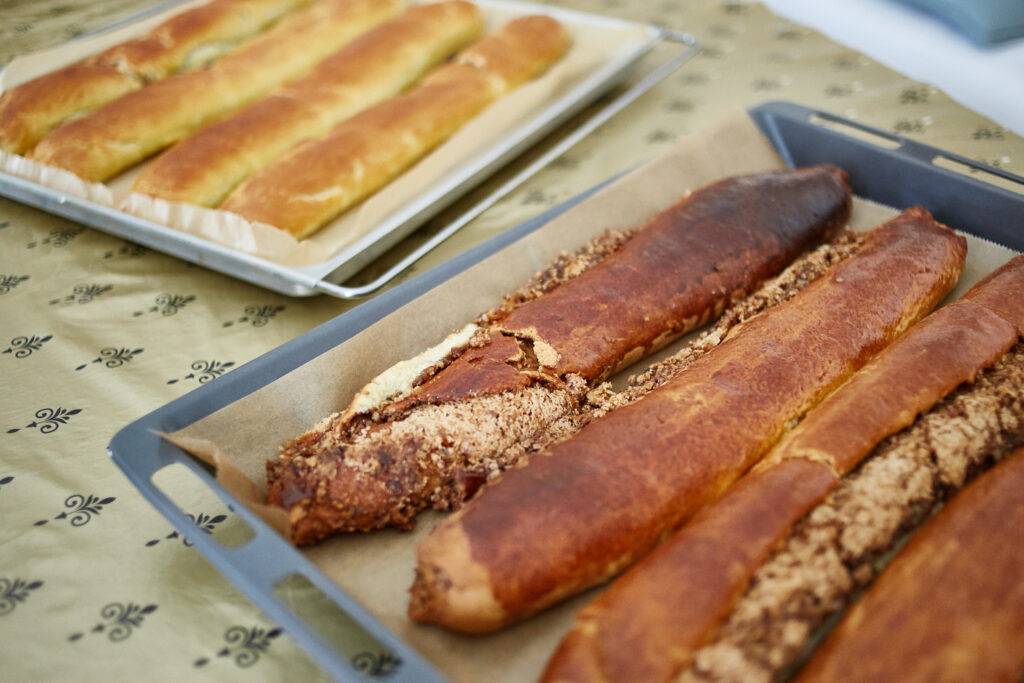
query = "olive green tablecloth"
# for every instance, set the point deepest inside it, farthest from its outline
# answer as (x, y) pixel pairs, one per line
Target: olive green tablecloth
(96, 332)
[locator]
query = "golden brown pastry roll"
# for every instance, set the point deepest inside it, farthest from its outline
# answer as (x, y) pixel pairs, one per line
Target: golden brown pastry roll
(652, 620)
(187, 41)
(469, 409)
(950, 607)
(203, 168)
(837, 548)
(124, 132)
(319, 179)
(592, 505)
(521, 50)
(648, 623)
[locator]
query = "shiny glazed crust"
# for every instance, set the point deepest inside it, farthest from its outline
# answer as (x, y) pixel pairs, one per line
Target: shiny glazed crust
(124, 132)
(320, 179)
(950, 607)
(203, 168)
(649, 624)
(592, 505)
(678, 270)
(186, 41)
(638, 303)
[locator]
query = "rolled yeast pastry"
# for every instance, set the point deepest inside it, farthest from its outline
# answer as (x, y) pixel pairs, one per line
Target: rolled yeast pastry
(650, 623)
(950, 607)
(464, 413)
(187, 41)
(320, 179)
(203, 168)
(587, 508)
(125, 131)
(834, 550)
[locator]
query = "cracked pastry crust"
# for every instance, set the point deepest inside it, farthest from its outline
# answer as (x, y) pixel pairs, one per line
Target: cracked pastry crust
(597, 502)
(650, 623)
(185, 42)
(474, 409)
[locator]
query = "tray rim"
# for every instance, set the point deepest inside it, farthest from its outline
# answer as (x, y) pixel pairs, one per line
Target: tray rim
(138, 451)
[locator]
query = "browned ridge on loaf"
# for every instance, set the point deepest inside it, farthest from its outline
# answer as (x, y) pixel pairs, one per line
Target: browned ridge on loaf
(835, 549)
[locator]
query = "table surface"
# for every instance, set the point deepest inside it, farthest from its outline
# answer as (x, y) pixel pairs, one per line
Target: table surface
(96, 332)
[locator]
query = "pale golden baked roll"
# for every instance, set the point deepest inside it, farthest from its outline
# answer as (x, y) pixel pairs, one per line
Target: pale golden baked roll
(518, 52)
(590, 506)
(189, 40)
(123, 132)
(950, 607)
(320, 179)
(652, 620)
(203, 168)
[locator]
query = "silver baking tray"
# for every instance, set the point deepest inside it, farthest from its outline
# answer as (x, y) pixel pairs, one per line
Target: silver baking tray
(325, 276)
(899, 175)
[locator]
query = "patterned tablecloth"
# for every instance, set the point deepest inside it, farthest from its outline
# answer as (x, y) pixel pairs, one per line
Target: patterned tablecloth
(96, 332)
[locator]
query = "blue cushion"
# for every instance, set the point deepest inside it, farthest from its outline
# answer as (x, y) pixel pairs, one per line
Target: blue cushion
(984, 21)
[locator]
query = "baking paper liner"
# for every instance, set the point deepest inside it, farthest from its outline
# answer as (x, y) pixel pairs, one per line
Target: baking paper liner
(377, 568)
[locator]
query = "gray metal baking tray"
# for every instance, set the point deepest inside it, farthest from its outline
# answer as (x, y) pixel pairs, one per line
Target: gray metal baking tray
(325, 276)
(902, 175)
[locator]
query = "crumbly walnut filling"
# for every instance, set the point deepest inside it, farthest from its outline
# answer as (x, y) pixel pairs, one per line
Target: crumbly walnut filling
(566, 266)
(840, 546)
(782, 287)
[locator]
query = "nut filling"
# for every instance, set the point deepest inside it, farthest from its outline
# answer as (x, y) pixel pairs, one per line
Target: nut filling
(436, 442)
(783, 287)
(839, 547)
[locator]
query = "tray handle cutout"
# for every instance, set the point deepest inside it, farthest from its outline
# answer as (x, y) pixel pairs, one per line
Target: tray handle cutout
(184, 489)
(966, 194)
(853, 130)
(979, 172)
(263, 565)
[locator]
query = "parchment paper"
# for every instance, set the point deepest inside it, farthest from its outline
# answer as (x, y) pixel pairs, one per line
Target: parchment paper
(594, 45)
(377, 568)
